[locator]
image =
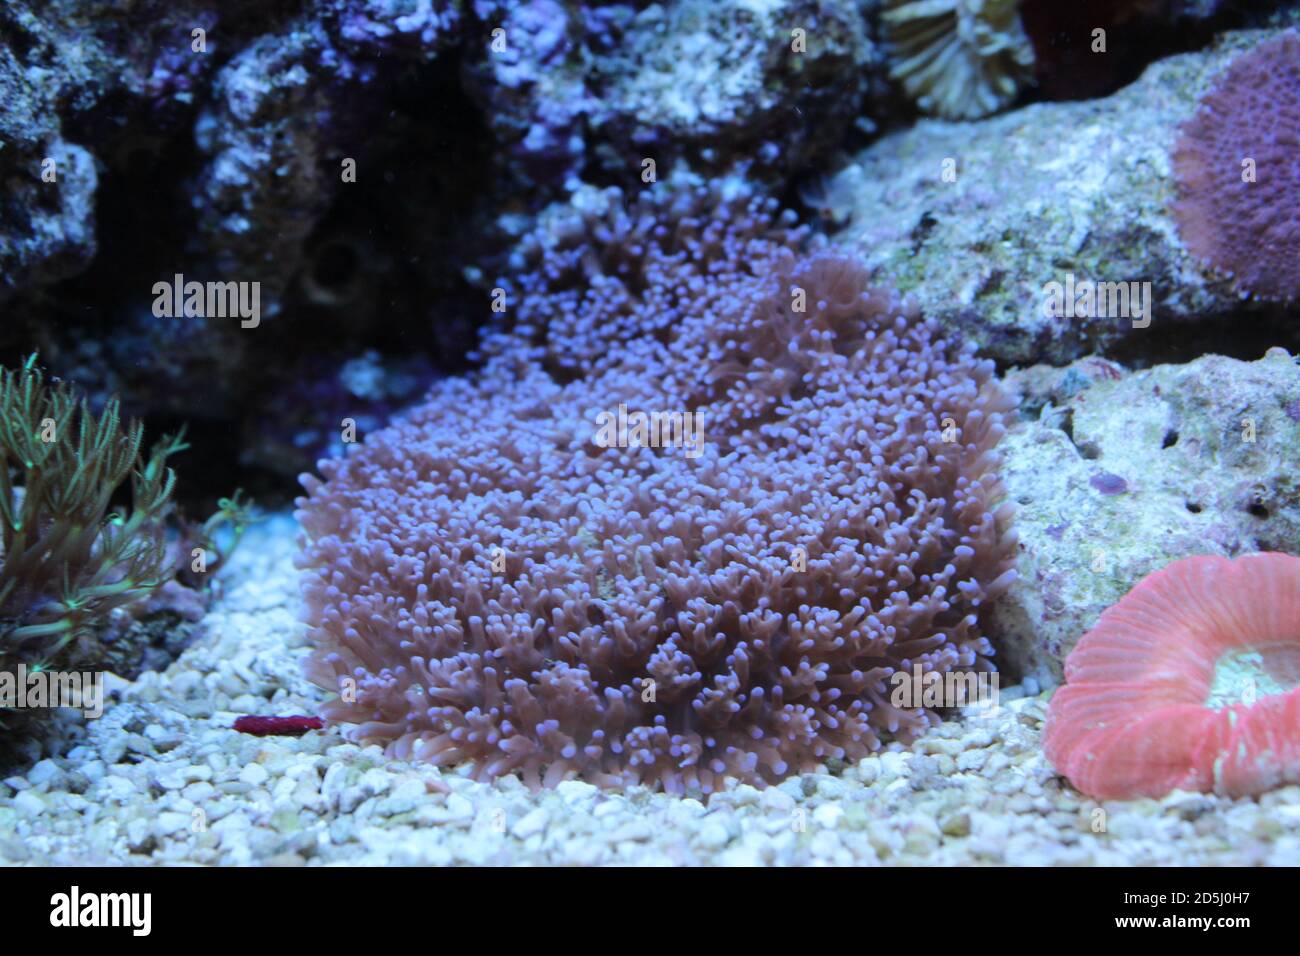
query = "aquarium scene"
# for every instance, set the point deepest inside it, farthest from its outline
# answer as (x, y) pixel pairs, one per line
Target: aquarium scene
(612, 433)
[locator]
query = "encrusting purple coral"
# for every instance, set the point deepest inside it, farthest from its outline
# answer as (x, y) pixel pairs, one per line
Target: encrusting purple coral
(486, 583)
(1238, 169)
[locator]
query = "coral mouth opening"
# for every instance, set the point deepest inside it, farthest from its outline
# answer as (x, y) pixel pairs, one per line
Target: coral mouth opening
(1245, 674)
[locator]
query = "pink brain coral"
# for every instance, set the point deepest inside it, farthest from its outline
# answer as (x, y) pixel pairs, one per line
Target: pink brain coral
(1238, 168)
(502, 590)
(1189, 682)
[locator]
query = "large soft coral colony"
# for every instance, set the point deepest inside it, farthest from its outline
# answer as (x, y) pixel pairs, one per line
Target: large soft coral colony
(487, 583)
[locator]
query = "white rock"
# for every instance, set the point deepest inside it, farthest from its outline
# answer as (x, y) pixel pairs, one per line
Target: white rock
(137, 833)
(44, 772)
(170, 823)
(745, 854)
(776, 800)
(336, 779)
(459, 808)
(575, 792)
(406, 797)
(118, 787)
(893, 764)
(828, 815)
(530, 824)
(29, 802)
(254, 774)
(826, 845)
(714, 835)
(375, 781)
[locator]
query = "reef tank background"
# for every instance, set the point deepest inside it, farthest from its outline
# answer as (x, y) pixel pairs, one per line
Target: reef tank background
(500, 432)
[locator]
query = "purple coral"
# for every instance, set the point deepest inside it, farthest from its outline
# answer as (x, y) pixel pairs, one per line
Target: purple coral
(485, 583)
(1238, 169)
(1108, 483)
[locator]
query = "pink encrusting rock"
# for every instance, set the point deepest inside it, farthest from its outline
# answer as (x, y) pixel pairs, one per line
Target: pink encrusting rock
(1189, 682)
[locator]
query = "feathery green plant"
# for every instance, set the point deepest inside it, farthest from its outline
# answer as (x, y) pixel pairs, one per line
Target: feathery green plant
(67, 559)
(238, 513)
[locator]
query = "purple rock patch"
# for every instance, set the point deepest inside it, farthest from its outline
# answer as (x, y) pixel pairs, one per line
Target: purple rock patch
(1108, 484)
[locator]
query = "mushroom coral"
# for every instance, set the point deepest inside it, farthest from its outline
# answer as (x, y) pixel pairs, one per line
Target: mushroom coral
(1188, 682)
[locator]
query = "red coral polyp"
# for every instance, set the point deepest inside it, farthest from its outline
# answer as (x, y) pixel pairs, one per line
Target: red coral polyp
(1237, 163)
(487, 584)
(1189, 682)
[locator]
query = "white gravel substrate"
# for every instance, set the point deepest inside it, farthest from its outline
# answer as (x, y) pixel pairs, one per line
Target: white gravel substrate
(161, 778)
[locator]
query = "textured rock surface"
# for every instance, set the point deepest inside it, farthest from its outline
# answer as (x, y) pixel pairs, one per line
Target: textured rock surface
(47, 229)
(264, 184)
(574, 85)
(124, 74)
(1045, 191)
(726, 79)
(1120, 475)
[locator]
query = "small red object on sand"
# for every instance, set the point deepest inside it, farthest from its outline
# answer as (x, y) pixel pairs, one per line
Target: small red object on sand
(277, 726)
